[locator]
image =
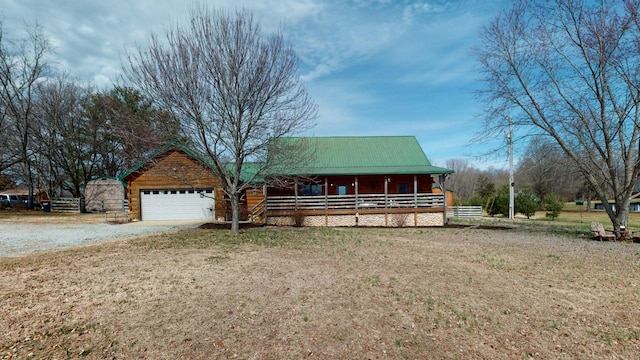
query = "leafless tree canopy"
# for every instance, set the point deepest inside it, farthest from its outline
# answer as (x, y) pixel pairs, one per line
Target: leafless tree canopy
(61, 135)
(464, 178)
(233, 87)
(546, 169)
(569, 69)
(80, 134)
(56, 133)
(23, 62)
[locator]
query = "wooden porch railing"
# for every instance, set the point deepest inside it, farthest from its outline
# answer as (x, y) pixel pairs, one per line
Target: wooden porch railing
(361, 201)
(258, 211)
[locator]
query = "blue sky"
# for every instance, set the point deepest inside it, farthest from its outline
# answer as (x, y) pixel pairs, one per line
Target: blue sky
(375, 67)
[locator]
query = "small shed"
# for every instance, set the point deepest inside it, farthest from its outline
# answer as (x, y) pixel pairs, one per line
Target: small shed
(437, 190)
(105, 194)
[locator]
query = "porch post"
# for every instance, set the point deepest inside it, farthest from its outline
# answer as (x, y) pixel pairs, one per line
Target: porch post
(326, 194)
(264, 195)
(386, 192)
(326, 202)
(442, 178)
(356, 190)
(415, 191)
(295, 192)
(386, 200)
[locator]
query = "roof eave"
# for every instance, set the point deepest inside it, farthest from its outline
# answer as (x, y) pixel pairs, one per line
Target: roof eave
(430, 170)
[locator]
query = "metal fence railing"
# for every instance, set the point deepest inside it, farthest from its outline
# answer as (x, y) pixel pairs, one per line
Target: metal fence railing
(464, 211)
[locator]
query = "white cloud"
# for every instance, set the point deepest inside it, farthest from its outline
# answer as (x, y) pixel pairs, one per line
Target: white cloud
(417, 9)
(368, 63)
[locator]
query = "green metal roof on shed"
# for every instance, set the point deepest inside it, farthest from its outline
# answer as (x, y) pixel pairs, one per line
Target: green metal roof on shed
(367, 155)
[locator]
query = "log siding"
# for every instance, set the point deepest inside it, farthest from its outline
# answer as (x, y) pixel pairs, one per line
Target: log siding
(174, 170)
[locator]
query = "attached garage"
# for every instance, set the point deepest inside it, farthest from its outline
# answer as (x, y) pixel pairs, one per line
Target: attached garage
(174, 184)
(177, 205)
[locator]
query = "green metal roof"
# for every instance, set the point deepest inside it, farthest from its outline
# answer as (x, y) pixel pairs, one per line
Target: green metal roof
(367, 155)
(338, 155)
(251, 172)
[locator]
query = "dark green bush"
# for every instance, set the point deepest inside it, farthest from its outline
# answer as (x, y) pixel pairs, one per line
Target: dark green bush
(526, 202)
(552, 205)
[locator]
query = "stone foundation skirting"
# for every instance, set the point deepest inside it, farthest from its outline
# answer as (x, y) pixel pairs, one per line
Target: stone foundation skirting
(371, 220)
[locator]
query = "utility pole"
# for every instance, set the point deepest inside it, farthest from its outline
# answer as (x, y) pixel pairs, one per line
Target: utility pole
(511, 183)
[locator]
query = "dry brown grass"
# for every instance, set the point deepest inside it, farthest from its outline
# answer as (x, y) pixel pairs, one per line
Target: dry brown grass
(276, 293)
(39, 217)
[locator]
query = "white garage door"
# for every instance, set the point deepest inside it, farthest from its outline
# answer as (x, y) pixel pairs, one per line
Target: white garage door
(177, 205)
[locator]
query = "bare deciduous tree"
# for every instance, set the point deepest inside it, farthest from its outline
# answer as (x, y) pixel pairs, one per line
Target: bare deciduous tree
(60, 143)
(233, 88)
(133, 128)
(546, 169)
(22, 64)
(82, 134)
(569, 69)
(464, 178)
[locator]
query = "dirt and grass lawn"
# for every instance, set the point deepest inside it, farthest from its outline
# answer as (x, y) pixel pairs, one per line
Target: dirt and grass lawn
(292, 293)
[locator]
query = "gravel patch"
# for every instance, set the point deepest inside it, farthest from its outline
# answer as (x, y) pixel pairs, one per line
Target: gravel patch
(23, 238)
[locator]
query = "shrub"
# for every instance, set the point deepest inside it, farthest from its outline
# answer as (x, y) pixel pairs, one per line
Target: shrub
(526, 202)
(553, 205)
(475, 200)
(500, 204)
(399, 220)
(297, 218)
(457, 201)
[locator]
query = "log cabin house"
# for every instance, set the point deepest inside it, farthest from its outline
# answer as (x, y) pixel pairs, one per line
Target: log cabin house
(358, 181)
(349, 181)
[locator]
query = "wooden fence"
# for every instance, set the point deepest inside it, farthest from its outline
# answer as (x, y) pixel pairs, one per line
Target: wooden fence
(77, 205)
(66, 205)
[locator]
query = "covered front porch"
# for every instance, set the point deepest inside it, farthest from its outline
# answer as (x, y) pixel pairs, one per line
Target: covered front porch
(398, 200)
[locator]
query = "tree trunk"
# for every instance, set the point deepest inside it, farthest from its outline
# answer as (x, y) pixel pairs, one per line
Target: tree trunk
(617, 213)
(235, 215)
(618, 223)
(30, 201)
(621, 217)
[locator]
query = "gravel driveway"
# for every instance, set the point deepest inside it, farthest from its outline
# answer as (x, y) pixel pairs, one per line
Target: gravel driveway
(25, 238)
